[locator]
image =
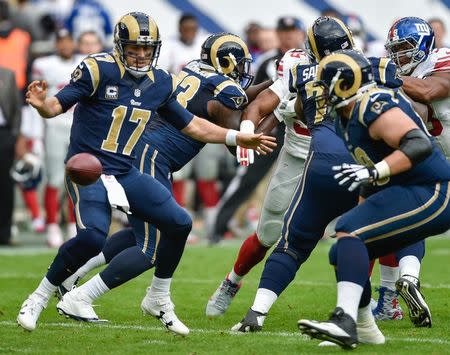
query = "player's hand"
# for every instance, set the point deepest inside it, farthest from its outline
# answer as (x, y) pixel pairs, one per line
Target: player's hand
(36, 93)
(354, 175)
(245, 156)
(258, 142)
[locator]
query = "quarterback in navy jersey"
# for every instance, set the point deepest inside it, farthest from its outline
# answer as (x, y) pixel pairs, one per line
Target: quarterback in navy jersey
(394, 154)
(117, 95)
(205, 90)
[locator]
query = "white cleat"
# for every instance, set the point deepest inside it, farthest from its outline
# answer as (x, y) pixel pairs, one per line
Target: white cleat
(30, 311)
(76, 305)
(161, 307)
(221, 300)
(54, 236)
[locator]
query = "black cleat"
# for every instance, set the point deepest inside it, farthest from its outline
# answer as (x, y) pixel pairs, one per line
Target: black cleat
(409, 288)
(252, 322)
(339, 329)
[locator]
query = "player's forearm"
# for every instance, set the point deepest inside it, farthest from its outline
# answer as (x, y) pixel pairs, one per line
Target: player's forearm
(50, 108)
(253, 91)
(398, 162)
(205, 131)
(263, 105)
(267, 124)
(426, 90)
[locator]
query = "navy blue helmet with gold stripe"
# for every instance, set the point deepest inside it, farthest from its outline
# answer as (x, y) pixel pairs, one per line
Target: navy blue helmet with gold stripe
(228, 54)
(137, 28)
(344, 76)
(327, 35)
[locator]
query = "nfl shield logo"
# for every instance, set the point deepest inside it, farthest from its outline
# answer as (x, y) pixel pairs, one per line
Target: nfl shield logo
(137, 92)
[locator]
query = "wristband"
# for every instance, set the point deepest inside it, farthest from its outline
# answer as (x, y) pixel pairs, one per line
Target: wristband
(383, 169)
(231, 137)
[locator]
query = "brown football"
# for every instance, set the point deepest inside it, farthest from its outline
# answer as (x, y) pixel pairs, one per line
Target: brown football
(84, 169)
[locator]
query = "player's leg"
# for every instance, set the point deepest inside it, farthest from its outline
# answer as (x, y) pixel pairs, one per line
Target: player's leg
(387, 221)
(388, 306)
(304, 225)
(408, 284)
(93, 214)
(55, 152)
(279, 193)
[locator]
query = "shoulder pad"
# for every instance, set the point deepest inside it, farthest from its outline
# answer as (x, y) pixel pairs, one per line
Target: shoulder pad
(385, 72)
(442, 63)
(291, 58)
(300, 75)
(374, 103)
(230, 94)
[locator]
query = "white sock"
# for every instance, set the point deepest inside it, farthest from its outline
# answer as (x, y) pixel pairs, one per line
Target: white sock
(91, 264)
(160, 285)
(94, 288)
(264, 300)
(348, 297)
(45, 289)
(409, 265)
(365, 314)
(388, 276)
(233, 277)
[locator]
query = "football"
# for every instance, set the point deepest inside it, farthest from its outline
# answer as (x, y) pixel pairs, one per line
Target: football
(84, 169)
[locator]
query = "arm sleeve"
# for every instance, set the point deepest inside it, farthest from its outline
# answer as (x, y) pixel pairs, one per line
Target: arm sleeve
(229, 94)
(83, 84)
(374, 105)
(385, 72)
(175, 114)
(280, 88)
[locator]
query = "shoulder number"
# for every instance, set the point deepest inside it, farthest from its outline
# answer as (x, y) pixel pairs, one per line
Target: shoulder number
(190, 84)
(312, 92)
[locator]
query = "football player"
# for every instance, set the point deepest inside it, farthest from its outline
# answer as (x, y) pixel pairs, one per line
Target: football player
(409, 175)
(281, 187)
(426, 78)
(212, 87)
(117, 95)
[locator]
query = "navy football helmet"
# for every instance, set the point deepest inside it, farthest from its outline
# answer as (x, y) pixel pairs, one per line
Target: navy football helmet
(327, 35)
(228, 54)
(344, 76)
(409, 42)
(139, 29)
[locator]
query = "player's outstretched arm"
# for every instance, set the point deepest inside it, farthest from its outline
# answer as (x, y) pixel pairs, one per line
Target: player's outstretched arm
(36, 96)
(434, 87)
(207, 132)
(254, 90)
(263, 105)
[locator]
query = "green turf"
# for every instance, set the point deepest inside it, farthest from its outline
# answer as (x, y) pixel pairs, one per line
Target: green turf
(312, 295)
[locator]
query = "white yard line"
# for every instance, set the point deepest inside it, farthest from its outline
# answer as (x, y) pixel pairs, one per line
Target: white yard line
(210, 331)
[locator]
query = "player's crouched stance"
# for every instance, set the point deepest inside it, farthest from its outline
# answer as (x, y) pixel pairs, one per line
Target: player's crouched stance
(117, 95)
(409, 174)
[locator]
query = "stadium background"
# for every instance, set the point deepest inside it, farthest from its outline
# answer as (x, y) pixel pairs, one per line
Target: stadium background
(202, 267)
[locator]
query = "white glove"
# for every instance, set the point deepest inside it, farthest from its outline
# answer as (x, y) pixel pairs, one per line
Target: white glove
(354, 175)
(33, 162)
(245, 156)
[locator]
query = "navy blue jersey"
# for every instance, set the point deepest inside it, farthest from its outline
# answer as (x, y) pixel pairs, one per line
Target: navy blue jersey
(196, 87)
(114, 108)
(368, 152)
(320, 124)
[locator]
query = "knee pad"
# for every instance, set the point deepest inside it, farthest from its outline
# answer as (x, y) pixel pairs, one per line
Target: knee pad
(332, 255)
(87, 244)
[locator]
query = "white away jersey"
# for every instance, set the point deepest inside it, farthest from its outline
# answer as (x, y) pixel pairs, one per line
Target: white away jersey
(438, 61)
(56, 71)
(297, 139)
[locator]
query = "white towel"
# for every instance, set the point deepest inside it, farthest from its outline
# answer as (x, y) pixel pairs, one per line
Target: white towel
(116, 194)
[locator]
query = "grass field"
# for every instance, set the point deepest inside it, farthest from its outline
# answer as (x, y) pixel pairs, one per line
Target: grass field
(312, 295)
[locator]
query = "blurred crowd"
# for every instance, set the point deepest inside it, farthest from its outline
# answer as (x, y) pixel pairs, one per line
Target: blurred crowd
(46, 39)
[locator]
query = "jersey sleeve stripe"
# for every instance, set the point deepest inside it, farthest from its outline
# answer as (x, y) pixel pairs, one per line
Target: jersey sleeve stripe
(222, 86)
(92, 66)
(382, 69)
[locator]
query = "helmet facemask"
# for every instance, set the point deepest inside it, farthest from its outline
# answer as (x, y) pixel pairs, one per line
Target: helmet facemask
(239, 70)
(405, 48)
(138, 70)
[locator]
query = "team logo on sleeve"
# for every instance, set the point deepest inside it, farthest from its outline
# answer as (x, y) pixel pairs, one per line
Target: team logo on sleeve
(77, 74)
(111, 92)
(377, 107)
(238, 101)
